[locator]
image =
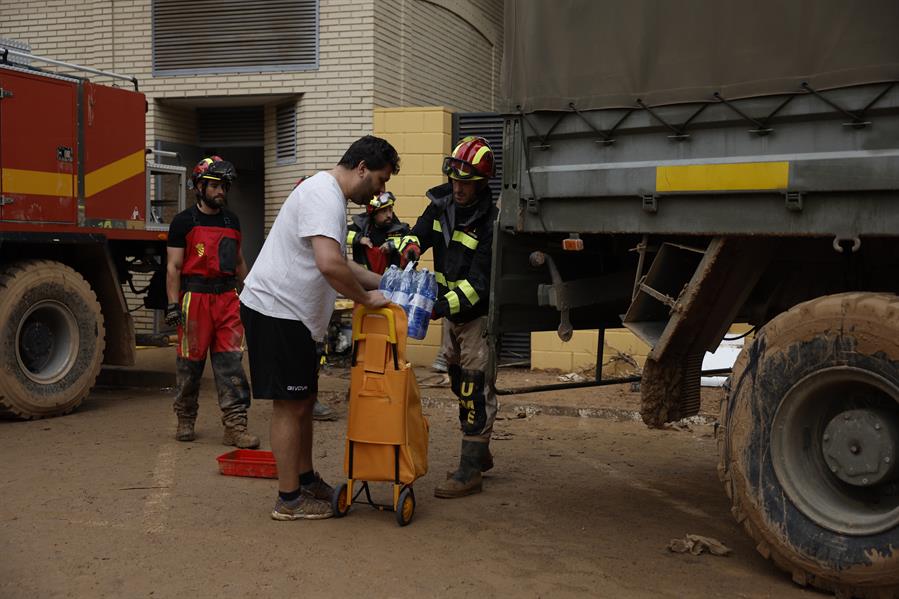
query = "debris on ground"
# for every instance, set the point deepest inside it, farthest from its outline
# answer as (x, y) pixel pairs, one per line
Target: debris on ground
(434, 381)
(501, 436)
(697, 544)
(572, 377)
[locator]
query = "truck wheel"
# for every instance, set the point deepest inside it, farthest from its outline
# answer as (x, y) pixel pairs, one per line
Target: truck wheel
(51, 339)
(810, 443)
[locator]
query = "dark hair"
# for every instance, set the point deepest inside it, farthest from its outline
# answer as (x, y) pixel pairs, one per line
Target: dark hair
(376, 152)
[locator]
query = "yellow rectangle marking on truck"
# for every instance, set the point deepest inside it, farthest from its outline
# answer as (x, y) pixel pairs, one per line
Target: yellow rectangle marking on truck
(41, 183)
(115, 172)
(747, 176)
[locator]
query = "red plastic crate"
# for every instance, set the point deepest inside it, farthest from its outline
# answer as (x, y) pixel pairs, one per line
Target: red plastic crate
(248, 462)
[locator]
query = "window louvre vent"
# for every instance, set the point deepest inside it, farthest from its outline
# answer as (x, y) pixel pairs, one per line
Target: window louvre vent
(224, 127)
(234, 36)
(286, 134)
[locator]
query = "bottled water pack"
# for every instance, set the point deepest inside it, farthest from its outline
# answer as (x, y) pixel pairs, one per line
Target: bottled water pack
(413, 290)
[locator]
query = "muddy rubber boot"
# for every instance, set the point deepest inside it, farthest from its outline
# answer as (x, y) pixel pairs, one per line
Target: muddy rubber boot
(467, 479)
(185, 431)
(486, 463)
(236, 434)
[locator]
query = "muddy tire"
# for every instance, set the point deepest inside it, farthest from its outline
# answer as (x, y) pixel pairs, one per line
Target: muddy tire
(51, 339)
(819, 380)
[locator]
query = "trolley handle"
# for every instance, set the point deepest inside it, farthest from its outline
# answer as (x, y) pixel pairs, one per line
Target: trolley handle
(391, 332)
(385, 312)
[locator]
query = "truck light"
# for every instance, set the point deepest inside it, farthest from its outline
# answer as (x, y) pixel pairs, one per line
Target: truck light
(574, 243)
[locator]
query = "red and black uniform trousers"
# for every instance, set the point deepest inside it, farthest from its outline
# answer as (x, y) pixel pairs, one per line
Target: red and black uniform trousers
(210, 322)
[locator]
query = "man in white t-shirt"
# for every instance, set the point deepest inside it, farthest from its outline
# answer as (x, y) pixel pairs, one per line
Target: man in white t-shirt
(286, 304)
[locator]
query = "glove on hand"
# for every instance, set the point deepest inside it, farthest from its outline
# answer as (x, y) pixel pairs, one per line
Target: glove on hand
(173, 315)
(412, 252)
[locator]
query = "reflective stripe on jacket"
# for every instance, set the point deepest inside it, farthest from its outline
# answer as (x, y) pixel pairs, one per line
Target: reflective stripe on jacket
(462, 244)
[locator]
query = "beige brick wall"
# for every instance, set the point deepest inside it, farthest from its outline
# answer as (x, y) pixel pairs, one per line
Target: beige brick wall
(548, 351)
(438, 53)
(422, 137)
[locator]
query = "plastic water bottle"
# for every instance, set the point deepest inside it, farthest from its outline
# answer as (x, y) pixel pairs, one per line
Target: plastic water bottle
(422, 304)
(390, 282)
(406, 287)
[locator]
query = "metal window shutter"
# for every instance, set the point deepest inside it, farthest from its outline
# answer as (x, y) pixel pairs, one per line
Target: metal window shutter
(514, 347)
(223, 127)
(234, 36)
(286, 133)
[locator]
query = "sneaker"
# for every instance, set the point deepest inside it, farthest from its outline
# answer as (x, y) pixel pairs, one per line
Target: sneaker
(306, 507)
(319, 489)
(322, 412)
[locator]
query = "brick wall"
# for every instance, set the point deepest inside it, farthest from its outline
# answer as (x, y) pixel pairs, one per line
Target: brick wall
(422, 137)
(442, 52)
(548, 351)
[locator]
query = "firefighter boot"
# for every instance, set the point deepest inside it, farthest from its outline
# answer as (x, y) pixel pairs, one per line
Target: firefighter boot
(467, 479)
(236, 434)
(486, 463)
(185, 430)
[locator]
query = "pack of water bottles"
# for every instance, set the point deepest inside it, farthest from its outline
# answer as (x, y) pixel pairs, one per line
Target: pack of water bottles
(415, 291)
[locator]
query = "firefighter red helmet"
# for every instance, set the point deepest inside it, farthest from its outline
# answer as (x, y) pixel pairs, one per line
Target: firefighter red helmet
(380, 201)
(213, 168)
(472, 159)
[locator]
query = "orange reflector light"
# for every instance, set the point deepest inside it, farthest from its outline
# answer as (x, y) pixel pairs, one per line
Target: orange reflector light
(575, 244)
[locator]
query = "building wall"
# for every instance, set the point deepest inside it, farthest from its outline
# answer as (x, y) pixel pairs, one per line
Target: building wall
(438, 53)
(548, 351)
(422, 137)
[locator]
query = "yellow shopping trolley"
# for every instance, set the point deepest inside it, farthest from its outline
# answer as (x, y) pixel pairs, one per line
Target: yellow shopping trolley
(387, 435)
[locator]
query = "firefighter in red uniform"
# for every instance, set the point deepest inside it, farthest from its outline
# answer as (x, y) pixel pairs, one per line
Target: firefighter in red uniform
(377, 235)
(204, 266)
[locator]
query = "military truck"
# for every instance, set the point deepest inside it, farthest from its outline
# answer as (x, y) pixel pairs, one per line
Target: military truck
(675, 167)
(83, 212)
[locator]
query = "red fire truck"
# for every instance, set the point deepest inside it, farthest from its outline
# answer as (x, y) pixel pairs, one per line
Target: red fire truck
(81, 211)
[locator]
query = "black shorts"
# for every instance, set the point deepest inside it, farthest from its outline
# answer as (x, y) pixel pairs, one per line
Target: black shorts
(283, 357)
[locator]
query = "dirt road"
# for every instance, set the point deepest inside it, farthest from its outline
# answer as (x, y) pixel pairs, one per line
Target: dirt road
(104, 503)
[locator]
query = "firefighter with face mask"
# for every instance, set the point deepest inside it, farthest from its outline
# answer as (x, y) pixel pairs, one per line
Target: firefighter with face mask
(204, 266)
(377, 235)
(458, 227)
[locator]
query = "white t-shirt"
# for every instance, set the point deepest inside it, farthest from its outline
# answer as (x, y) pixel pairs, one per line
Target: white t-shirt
(284, 281)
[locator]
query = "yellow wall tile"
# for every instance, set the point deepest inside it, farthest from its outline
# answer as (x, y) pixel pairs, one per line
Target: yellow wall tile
(421, 356)
(551, 359)
(431, 164)
(426, 143)
(378, 121)
(411, 164)
(626, 342)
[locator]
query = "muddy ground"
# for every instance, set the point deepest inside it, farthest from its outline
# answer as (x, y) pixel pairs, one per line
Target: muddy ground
(104, 503)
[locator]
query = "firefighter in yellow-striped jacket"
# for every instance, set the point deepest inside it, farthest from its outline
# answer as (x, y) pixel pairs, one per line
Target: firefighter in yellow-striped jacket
(458, 227)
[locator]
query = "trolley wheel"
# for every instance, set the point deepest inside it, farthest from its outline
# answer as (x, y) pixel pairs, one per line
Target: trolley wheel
(339, 501)
(405, 507)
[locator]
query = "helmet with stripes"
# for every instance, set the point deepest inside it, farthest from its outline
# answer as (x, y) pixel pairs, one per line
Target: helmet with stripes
(213, 168)
(382, 200)
(472, 159)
